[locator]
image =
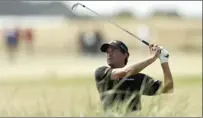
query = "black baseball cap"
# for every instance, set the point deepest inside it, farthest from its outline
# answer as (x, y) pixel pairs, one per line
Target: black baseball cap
(115, 43)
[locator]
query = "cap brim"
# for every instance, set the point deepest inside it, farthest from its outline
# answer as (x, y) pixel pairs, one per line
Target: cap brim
(104, 47)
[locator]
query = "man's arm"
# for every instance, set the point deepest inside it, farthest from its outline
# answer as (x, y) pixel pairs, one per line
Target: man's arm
(156, 87)
(131, 69)
(153, 87)
(168, 79)
(136, 68)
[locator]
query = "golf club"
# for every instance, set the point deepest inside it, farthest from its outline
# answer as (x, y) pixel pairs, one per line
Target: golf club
(133, 35)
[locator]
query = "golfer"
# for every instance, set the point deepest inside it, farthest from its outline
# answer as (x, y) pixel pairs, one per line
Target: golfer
(118, 81)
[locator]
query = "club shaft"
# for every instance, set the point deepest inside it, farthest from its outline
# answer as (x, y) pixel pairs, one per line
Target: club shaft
(133, 35)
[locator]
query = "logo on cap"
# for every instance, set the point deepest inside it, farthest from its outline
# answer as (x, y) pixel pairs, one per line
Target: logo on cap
(113, 42)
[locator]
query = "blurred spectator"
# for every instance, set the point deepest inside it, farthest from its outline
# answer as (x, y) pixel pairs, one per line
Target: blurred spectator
(90, 42)
(81, 42)
(28, 37)
(11, 39)
(98, 42)
(17, 33)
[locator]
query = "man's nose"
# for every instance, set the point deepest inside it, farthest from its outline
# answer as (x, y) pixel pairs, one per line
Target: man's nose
(109, 51)
(109, 54)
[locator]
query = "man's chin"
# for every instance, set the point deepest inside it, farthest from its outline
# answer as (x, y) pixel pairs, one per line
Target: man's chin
(109, 63)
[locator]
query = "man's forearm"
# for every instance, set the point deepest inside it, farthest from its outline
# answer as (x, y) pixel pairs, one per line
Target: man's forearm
(168, 79)
(136, 68)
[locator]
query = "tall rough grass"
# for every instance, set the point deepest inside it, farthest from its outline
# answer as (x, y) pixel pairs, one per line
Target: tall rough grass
(157, 106)
(73, 99)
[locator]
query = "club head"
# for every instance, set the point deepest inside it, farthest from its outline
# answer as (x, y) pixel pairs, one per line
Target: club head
(76, 5)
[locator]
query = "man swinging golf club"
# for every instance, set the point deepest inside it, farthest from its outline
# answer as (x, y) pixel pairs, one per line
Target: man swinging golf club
(118, 81)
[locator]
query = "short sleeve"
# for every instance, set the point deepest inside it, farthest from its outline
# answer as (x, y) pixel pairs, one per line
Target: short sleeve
(102, 73)
(150, 86)
(103, 78)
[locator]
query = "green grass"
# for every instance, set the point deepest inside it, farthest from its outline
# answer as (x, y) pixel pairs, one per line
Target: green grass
(53, 96)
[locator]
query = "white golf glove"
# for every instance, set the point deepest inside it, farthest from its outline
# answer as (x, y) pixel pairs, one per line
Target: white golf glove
(163, 58)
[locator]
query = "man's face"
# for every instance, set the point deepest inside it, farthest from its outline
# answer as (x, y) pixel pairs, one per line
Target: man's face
(115, 57)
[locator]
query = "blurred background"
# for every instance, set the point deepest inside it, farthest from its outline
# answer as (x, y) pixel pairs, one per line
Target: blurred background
(34, 30)
(45, 40)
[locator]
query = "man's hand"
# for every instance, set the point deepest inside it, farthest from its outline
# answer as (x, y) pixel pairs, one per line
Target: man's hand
(154, 51)
(162, 57)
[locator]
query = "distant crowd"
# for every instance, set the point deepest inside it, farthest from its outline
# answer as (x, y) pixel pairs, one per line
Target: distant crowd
(89, 42)
(14, 36)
